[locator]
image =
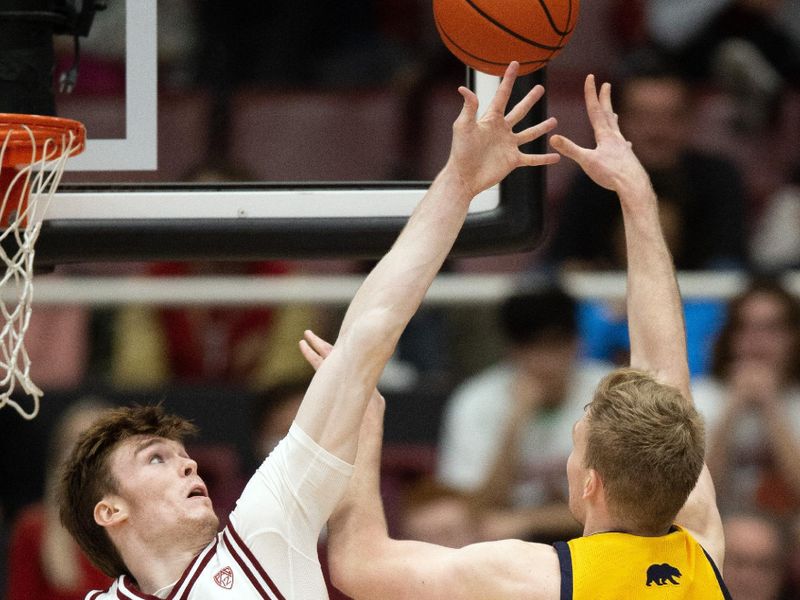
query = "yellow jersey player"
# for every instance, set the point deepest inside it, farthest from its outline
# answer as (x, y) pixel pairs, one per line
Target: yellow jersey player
(637, 479)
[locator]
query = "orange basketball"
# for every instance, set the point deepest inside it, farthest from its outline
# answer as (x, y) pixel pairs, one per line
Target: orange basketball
(489, 34)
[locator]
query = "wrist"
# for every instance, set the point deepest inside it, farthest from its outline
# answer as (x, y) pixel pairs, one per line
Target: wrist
(636, 190)
(458, 186)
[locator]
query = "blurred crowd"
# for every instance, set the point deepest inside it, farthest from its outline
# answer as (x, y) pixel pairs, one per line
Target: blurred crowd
(506, 382)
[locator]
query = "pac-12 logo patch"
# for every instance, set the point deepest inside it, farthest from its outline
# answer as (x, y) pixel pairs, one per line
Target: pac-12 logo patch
(224, 578)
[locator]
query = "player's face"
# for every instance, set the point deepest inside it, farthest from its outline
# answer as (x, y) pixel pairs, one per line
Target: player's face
(161, 492)
(577, 472)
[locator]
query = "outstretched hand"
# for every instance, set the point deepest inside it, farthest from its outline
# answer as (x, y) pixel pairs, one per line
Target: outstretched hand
(612, 164)
(485, 150)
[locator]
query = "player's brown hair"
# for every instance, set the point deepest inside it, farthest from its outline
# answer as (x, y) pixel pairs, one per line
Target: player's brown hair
(646, 441)
(87, 476)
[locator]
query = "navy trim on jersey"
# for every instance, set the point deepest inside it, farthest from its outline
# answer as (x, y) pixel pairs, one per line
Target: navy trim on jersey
(725, 593)
(565, 561)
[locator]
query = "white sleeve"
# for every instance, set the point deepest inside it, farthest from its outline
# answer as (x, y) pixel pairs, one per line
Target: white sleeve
(291, 495)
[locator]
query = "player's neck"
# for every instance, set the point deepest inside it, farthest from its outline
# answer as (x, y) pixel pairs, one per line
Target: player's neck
(598, 520)
(156, 568)
(597, 525)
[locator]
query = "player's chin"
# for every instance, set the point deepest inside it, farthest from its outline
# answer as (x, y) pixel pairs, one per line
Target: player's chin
(202, 511)
(208, 522)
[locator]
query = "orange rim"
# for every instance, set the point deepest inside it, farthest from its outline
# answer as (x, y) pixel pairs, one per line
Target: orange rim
(28, 132)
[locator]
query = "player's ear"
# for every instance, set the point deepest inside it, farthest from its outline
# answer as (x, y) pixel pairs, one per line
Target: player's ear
(110, 511)
(592, 484)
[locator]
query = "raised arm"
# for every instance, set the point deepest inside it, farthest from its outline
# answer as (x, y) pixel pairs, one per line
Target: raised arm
(365, 563)
(483, 152)
(655, 314)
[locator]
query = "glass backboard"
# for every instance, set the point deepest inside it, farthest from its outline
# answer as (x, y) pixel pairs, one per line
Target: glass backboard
(245, 131)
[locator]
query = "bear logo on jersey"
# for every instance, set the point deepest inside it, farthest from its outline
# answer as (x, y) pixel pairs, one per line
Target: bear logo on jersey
(662, 574)
(224, 578)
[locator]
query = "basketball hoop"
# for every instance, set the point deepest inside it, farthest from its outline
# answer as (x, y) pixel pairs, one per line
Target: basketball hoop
(33, 153)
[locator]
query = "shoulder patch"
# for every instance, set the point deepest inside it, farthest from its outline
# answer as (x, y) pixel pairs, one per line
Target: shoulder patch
(662, 574)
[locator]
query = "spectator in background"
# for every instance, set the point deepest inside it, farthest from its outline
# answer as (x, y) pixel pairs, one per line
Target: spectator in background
(752, 402)
(756, 557)
(775, 245)
(244, 346)
(750, 47)
(701, 196)
(43, 559)
(507, 431)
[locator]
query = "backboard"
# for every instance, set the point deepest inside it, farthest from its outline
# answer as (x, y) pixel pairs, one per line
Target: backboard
(244, 131)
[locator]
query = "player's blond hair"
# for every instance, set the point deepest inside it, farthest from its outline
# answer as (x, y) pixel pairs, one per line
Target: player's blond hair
(646, 441)
(87, 475)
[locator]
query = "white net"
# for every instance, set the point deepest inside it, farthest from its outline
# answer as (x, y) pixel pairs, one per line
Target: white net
(27, 191)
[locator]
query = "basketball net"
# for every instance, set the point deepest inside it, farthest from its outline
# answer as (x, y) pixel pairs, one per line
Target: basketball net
(27, 184)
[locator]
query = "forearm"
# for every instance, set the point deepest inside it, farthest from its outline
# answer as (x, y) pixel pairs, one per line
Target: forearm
(655, 313)
(379, 312)
(396, 286)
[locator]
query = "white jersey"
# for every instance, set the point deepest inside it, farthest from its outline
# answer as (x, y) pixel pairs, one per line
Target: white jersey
(269, 548)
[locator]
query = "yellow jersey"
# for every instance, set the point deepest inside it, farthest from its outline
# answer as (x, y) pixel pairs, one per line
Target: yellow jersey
(620, 566)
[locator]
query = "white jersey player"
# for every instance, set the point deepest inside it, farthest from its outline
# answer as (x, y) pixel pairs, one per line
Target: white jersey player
(269, 547)
(131, 495)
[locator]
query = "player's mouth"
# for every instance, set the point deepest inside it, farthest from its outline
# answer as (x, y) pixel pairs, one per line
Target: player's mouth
(198, 491)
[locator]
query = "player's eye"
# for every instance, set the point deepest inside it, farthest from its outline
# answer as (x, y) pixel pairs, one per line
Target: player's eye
(156, 459)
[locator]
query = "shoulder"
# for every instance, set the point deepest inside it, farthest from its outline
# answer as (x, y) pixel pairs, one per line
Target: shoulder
(512, 569)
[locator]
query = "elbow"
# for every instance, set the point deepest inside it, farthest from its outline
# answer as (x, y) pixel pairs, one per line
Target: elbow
(353, 566)
(339, 577)
(344, 556)
(344, 573)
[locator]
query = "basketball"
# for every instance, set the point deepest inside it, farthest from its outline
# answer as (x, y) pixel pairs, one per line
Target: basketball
(487, 35)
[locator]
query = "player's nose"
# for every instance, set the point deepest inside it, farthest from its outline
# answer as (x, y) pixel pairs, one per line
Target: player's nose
(189, 467)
